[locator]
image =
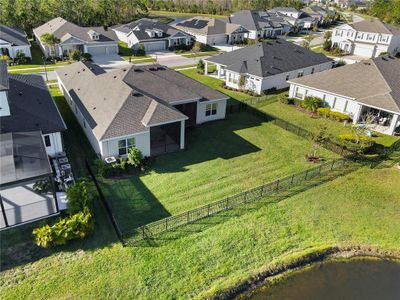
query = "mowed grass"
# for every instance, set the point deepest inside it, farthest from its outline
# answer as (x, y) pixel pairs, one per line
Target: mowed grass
(301, 119)
(361, 208)
(222, 159)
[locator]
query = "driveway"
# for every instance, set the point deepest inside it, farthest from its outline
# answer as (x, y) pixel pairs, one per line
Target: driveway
(170, 59)
(110, 62)
(226, 47)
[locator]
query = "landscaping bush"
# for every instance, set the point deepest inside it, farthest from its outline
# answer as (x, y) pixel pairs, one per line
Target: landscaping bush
(340, 63)
(298, 102)
(333, 115)
(78, 198)
(140, 51)
(75, 55)
(358, 144)
(287, 100)
(76, 226)
(21, 58)
(200, 66)
(86, 57)
(41, 186)
(135, 157)
(312, 103)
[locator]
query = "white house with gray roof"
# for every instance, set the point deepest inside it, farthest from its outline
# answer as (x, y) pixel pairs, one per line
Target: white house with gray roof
(12, 41)
(93, 40)
(148, 106)
(367, 38)
(267, 65)
(370, 88)
(152, 34)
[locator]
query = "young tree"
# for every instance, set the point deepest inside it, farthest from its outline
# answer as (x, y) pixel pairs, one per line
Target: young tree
(200, 66)
(50, 40)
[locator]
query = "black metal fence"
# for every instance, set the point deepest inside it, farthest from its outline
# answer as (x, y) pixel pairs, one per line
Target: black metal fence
(173, 222)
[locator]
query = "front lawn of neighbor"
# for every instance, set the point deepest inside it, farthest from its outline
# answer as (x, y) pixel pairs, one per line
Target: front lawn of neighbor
(222, 159)
(361, 208)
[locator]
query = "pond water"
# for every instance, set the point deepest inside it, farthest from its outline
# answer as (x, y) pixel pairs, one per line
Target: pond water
(355, 279)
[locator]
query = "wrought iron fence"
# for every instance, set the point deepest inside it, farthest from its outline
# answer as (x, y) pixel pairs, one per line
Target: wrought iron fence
(173, 222)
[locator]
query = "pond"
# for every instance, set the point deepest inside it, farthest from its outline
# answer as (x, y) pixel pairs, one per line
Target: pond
(354, 279)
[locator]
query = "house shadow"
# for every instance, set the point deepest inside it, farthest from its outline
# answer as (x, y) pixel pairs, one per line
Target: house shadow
(210, 141)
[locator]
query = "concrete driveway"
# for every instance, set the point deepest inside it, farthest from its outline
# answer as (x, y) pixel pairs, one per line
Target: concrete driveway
(170, 59)
(227, 47)
(110, 62)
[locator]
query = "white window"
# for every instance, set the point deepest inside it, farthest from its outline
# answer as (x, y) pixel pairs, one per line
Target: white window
(211, 109)
(47, 141)
(300, 74)
(334, 102)
(124, 145)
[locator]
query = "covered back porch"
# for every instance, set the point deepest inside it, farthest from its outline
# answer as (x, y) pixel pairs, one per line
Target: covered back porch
(380, 120)
(168, 137)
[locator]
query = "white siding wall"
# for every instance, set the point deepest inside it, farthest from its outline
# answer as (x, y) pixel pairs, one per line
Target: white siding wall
(56, 145)
(121, 36)
(142, 142)
(201, 111)
(13, 50)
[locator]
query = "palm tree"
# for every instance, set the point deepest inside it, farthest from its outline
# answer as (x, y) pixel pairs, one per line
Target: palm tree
(50, 40)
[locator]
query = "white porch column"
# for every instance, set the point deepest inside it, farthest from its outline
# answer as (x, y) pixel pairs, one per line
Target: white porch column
(393, 124)
(357, 114)
(206, 68)
(182, 145)
(219, 71)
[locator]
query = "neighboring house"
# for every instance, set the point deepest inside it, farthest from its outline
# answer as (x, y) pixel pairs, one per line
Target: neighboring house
(26, 105)
(152, 34)
(12, 41)
(295, 17)
(367, 38)
(322, 15)
(213, 31)
(260, 24)
(368, 88)
(23, 163)
(93, 40)
(148, 107)
(267, 65)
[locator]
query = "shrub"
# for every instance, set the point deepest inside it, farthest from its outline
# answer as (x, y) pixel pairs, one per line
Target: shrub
(340, 63)
(21, 58)
(140, 51)
(78, 198)
(135, 157)
(358, 144)
(65, 229)
(298, 102)
(324, 111)
(333, 115)
(287, 100)
(312, 103)
(41, 186)
(201, 66)
(86, 57)
(75, 55)
(327, 45)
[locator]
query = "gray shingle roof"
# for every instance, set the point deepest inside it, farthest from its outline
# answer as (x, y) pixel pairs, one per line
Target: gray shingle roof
(373, 82)
(31, 106)
(375, 26)
(255, 20)
(149, 24)
(15, 36)
(62, 29)
(269, 58)
(126, 101)
(207, 26)
(3, 76)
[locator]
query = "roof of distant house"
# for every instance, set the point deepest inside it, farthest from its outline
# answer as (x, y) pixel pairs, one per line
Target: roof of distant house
(255, 20)
(144, 24)
(375, 26)
(31, 105)
(209, 26)
(286, 9)
(374, 82)
(13, 35)
(63, 30)
(129, 100)
(269, 58)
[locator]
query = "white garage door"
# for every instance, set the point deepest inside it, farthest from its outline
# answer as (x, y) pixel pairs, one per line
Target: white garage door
(364, 50)
(154, 46)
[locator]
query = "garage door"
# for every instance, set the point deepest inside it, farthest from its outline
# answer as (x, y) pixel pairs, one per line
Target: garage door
(101, 50)
(364, 50)
(154, 46)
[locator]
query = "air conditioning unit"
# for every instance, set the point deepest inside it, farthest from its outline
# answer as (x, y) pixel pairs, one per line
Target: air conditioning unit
(110, 159)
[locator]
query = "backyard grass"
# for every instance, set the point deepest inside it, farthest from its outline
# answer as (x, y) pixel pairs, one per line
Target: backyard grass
(361, 208)
(241, 153)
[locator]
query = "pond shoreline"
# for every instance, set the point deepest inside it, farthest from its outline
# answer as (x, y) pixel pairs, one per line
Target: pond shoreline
(318, 256)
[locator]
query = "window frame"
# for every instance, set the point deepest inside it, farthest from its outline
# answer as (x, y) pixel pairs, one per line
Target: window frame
(127, 143)
(211, 109)
(47, 141)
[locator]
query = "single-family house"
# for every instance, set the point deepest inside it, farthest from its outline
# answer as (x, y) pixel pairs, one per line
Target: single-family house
(295, 17)
(12, 41)
(267, 65)
(367, 38)
(152, 34)
(323, 16)
(260, 24)
(93, 40)
(213, 31)
(26, 105)
(144, 106)
(368, 91)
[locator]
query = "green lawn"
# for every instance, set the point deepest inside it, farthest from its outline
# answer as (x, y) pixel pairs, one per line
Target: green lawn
(361, 208)
(299, 118)
(241, 153)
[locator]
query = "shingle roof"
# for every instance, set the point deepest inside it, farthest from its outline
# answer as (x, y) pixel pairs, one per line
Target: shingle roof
(255, 20)
(15, 36)
(63, 29)
(149, 24)
(373, 82)
(269, 58)
(31, 106)
(375, 26)
(207, 26)
(127, 101)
